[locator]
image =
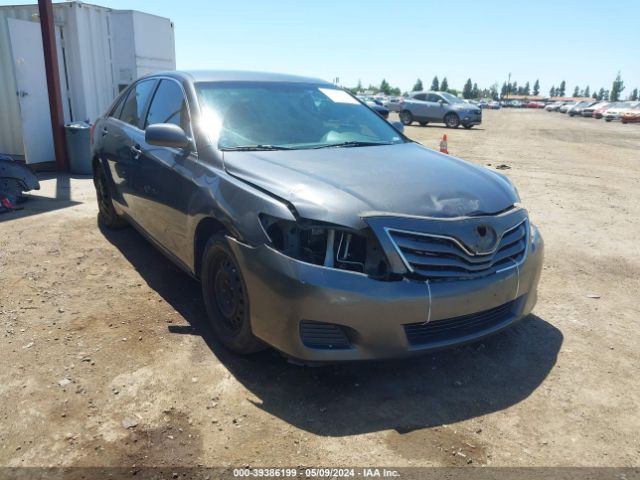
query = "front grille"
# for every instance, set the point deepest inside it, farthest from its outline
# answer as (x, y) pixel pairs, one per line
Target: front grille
(420, 334)
(323, 335)
(444, 258)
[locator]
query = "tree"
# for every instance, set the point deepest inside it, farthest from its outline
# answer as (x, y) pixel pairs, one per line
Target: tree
(435, 85)
(552, 91)
(634, 94)
(536, 87)
(561, 90)
(417, 87)
(467, 91)
(601, 94)
(617, 88)
(444, 85)
(595, 96)
(504, 90)
(475, 91)
(385, 87)
(527, 89)
(576, 91)
(587, 91)
(494, 91)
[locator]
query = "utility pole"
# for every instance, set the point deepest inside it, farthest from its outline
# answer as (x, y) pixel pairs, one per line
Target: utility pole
(509, 86)
(53, 81)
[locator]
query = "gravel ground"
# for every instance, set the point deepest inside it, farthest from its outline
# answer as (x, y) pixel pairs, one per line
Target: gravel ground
(108, 360)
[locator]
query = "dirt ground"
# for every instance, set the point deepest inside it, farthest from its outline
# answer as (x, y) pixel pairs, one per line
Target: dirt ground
(107, 359)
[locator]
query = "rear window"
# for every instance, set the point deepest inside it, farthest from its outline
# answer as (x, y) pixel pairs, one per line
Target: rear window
(133, 109)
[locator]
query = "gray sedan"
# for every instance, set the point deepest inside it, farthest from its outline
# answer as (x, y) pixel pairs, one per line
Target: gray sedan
(313, 225)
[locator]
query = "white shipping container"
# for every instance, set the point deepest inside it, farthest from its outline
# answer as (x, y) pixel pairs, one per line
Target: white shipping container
(100, 51)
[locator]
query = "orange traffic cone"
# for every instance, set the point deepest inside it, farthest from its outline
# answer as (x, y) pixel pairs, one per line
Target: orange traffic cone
(443, 144)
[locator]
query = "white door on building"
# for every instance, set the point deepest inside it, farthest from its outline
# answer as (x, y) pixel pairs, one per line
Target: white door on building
(31, 83)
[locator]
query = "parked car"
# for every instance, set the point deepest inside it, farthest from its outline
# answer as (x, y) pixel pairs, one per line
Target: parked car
(379, 109)
(599, 112)
(589, 111)
(493, 105)
(578, 107)
(631, 116)
(535, 105)
(616, 113)
(313, 225)
(564, 108)
(393, 104)
(554, 107)
(439, 107)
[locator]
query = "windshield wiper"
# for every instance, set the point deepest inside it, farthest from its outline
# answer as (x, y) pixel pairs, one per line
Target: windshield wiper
(354, 144)
(248, 148)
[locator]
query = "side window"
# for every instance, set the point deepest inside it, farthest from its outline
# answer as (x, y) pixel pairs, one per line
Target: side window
(420, 96)
(433, 98)
(169, 106)
(133, 108)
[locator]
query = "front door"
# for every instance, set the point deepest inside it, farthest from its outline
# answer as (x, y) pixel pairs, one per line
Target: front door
(31, 83)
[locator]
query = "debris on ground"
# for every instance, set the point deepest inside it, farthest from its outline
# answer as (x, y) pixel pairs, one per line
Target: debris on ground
(15, 178)
(503, 166)
(593, 295)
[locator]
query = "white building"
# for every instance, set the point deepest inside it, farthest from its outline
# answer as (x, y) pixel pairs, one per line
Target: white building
(100, 52)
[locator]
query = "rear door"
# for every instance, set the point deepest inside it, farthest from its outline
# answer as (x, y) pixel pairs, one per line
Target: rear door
(418, 108)
(166, 174)
(120, 134)
(434, 109)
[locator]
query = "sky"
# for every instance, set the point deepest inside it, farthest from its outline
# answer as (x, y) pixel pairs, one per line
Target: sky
(584, 42)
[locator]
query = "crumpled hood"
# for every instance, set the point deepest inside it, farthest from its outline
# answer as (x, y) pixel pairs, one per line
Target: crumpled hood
(341, 185)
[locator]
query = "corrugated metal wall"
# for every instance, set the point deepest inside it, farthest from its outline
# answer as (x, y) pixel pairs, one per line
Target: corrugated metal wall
(94, 60)
(10, 129)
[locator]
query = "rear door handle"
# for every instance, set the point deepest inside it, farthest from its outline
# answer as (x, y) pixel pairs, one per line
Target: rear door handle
(136, 150)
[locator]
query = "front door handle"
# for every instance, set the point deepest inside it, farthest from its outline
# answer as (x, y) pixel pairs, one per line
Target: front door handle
(137, 151)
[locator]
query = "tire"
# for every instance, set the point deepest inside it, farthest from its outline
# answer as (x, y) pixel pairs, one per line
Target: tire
(406, 117)
(468, 127)
(225, 297)
(424, 124)
(107, 214)
(451, 120)
(607, 119)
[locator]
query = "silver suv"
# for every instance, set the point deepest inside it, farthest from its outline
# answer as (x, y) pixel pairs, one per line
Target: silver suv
(439, 107)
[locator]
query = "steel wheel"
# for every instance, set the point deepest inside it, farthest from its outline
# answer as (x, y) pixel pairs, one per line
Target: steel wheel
(406, 118)
(451, 120)
(225, 297)
(107, 213)
(228, 293)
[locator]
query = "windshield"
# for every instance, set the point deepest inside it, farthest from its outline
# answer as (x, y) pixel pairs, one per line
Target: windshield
(451, 98)
(270, 115)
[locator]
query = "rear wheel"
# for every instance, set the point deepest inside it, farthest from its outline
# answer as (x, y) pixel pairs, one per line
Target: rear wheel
(406, 117)
(225, 298)
(451, 120)
(106, 212)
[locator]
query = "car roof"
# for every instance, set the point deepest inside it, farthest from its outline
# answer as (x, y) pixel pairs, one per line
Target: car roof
(236, 76)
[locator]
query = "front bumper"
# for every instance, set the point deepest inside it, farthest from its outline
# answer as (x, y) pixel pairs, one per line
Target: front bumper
(471, 118)
(284, 292)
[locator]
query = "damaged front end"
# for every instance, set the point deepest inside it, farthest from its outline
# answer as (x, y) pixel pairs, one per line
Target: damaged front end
(329, 245)
(15, 178)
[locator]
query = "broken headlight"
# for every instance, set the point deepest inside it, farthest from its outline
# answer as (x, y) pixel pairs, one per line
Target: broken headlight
(329, 245)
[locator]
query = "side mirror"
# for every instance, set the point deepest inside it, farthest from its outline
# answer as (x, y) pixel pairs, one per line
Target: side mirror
(441, 102)
(166, 135)
(398, 126)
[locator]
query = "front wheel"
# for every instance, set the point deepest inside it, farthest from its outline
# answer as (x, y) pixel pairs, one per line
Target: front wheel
(406, 118)
(225, 297)
(451, 120)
